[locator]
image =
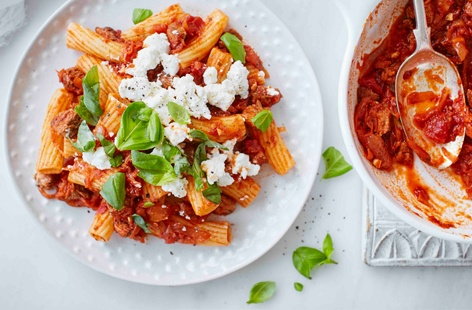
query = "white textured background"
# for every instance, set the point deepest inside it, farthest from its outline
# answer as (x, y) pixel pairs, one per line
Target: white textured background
(36, 274)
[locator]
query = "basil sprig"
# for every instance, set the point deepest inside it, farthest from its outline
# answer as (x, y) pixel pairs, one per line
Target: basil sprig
(213, 193)
(153, 169)
(305, 259)
(89, 105)
(110, 149)
(140, 128)
(141, 14)
(298, 286)
(85, 139)
(262, 120)
(178, 113)
(200, 135)
(114, 191)
(335, 163)
(138, 220)
(261, 292)
(234, 46)
(176, 157)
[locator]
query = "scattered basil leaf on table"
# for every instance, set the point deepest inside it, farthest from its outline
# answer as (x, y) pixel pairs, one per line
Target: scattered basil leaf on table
(262, 120)
(335, 163)
(141, 14)
(298, 286)
(148, 204)
(261, 292)
(213, 193)
(153, 169)
(138, 219)
(114, 191)
(234, 46)
(85, 138)
(178, 113)
(84, 113)
(305, 258)
(91, 87)
(110, 149)
(136, 133)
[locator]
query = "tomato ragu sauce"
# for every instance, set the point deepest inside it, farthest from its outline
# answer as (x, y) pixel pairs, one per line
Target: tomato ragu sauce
(376, 118)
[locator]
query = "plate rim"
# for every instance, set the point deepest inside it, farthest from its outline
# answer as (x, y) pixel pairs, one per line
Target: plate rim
(317, 138)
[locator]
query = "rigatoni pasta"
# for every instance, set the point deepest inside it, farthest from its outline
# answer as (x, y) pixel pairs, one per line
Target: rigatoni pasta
(161, 128)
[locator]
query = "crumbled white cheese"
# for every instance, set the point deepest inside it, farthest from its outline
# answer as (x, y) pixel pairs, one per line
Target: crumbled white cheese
(215, 170)
(188, 94)
(229, 144)
(210, 76)
(135, 89)
(176, 133)
(158, 100)
(147, 59)
(237, 74)
(98, 158)
(272, 91)
(171, 64)
(220, 95)
(261, 74)
(244, 167)
(184, 228)
(176, 188)
(158, 41)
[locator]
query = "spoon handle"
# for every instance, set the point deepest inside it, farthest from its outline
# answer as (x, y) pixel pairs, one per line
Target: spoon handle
(422, 31)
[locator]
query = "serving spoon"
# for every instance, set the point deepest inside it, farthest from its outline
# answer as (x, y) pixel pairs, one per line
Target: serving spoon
(423, 80)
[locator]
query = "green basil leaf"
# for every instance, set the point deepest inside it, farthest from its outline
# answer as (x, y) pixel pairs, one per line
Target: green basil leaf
(335, 163)
(153, 169)
(197, 172)
(261, 292)
(262, 120)
(148, 204)
(84, 113)
(213, 193)
(91, 86)
(328, 246)
(178, 113)
(234, 46)
(145, 114)
(298, 286)
(110, 150)
(305, 259)
(116, 161)
(138, 219)
(215, 144)
(137, 134)
(170, 151)
(85, 139)
(141, 14)
(181, 165)
(199, 135)
(114, 191)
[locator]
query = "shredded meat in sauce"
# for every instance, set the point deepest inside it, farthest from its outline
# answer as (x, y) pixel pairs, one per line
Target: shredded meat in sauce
(376, 118)
(71, 78)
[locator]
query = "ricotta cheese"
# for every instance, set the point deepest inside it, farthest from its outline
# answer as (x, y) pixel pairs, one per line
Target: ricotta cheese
(147, 59)
(176, 133)
(135, 89)
(190, 95)
(97, 158)
(272, 91)
(158, 41)
(244, 167)
(215, 170)
(210, 76)
(176, 187)
(171, 64)
(237, 75)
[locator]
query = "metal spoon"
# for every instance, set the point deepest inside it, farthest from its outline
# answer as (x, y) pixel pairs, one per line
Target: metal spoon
(422, 82)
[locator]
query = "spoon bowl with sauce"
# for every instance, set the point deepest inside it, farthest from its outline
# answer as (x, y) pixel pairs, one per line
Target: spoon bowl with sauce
(430, 100)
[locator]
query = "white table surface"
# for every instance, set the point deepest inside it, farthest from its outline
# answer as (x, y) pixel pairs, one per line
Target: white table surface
(35, 273)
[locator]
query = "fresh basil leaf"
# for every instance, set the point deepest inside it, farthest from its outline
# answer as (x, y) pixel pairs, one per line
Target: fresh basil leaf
(213, 193)
(141, 14)
(137, 134)
(261, 292)
(114, 191)
(335, 163)
(85, 139)
(110, 150)
(298, 286)
(305, 259)
(328, 246)
(197, 172)
(262, 120)
(170, 151)
(148, 204)
(116, 161)
(215, 144)
(91, 86)
(153, 169)
(84, 113)
(181, 165)
(178, 113)
(199, 135)
(145, 114)
(234, 46)
(138, 220)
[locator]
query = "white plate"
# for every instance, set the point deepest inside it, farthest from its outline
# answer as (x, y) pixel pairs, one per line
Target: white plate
(255, 230)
